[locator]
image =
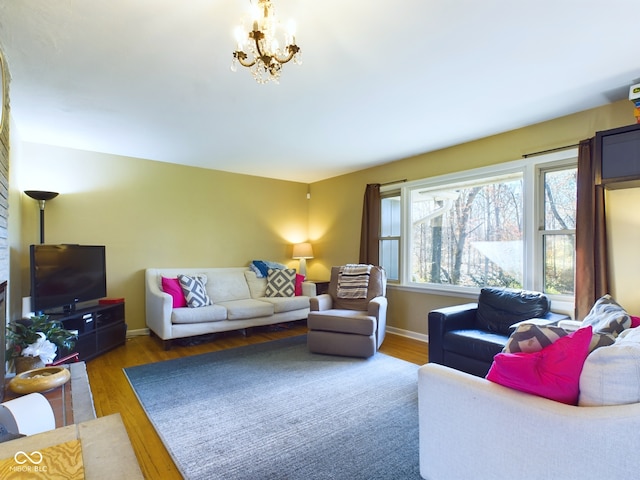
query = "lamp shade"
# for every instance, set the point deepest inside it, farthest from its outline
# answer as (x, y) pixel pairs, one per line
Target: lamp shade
(302, 250)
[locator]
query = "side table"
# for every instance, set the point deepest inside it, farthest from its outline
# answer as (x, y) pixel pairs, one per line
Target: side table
(71, 402)
(322, 286)
(107, 453)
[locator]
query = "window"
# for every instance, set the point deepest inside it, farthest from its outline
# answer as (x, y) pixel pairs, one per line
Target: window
(468, 234)
(558, 230)
(390, 215)
(510, 225)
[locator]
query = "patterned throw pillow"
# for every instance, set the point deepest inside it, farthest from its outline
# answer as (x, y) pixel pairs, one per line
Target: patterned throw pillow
(281, 283)
(529, 338)
(606, 316)
(194, 291)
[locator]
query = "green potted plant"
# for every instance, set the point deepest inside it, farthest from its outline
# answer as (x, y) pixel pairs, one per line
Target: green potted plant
(27, 337)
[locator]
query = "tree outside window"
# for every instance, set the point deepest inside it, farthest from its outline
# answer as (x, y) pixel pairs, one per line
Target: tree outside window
(512, 225)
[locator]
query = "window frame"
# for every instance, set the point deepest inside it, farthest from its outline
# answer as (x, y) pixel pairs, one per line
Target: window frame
(532, 168)
(541, 231)
(392, 193)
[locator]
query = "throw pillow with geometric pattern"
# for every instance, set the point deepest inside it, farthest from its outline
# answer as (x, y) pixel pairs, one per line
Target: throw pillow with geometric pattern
(194, 291)
(607, 316)
(281, 283)
(529, 338)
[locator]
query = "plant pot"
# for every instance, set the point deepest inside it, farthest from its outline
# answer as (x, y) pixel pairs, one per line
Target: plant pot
(24, 364)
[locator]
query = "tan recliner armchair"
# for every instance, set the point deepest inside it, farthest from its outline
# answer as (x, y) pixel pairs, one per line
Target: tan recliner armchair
(352, 327)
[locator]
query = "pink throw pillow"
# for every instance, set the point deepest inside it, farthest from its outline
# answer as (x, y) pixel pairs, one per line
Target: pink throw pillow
(553, 372)
(635, 321)
(173, 288)
(298, 286)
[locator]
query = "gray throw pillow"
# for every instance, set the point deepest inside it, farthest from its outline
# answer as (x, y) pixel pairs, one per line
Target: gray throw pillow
(607, 316)
(194, 290)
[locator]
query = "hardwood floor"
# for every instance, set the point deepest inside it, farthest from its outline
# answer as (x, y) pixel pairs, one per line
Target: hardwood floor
(112, 393)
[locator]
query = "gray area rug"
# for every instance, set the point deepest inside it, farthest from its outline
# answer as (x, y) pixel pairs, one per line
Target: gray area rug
(276, 411)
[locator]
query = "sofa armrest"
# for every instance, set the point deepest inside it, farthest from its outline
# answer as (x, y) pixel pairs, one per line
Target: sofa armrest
(550, 318)
(321, 302)
(556, 317)
(442, 320)
(528, 435)
(309, 289)
(378, 308)
(159, 306)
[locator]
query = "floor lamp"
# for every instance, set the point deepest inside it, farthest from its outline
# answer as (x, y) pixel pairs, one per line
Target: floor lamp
(42, 197)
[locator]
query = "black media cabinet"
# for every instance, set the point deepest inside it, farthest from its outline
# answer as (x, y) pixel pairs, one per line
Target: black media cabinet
(100, 328)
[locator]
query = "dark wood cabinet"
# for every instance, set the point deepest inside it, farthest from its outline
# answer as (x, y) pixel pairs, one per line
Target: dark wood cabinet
(100, 328)
(618, 157)
(322, 286)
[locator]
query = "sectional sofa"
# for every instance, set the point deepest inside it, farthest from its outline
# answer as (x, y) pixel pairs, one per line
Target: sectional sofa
(238, 297)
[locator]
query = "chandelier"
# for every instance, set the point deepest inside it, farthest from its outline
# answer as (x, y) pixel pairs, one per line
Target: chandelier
(259, 44)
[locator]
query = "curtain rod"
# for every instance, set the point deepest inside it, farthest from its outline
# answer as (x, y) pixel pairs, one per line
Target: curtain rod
(391, 183)
(551, 150)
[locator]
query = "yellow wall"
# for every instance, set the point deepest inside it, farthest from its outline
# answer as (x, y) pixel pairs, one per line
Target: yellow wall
(623, 234)
(154, 214)
(337, 203)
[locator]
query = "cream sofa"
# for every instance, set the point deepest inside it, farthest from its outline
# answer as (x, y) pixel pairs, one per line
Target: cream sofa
(239, 302)
(472, 428)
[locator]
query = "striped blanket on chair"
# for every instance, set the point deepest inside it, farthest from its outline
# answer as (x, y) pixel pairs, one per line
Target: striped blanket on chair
(353, 281)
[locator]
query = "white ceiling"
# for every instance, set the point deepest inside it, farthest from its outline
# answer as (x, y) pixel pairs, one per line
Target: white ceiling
(380, 80)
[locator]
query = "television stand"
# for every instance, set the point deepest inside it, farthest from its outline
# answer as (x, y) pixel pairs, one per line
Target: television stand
(100, 328)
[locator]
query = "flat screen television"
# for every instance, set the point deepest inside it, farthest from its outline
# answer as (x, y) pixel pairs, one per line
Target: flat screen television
(64, 275)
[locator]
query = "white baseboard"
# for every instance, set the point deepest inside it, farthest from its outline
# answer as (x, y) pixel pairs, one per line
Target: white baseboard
(409, 334)
(141, 332)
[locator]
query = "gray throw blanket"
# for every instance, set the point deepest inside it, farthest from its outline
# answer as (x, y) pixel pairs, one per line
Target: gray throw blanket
(353, 281)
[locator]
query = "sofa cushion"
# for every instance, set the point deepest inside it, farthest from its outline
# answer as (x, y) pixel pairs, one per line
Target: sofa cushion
(499, 308)
(247, 308)
(287, 304)
(209, 313)
(607, 316)
(553, 372)
(194, 290)
(611, 375)
(173, 288)
(334, 321)
(281, 283)
(224, 286)
(257, 286)
(476, 344)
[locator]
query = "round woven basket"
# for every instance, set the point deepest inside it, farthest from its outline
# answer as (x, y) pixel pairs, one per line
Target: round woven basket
(39, 380)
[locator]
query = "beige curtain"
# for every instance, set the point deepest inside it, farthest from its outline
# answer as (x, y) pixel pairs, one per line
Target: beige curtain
(369, 244)
(592, 270)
